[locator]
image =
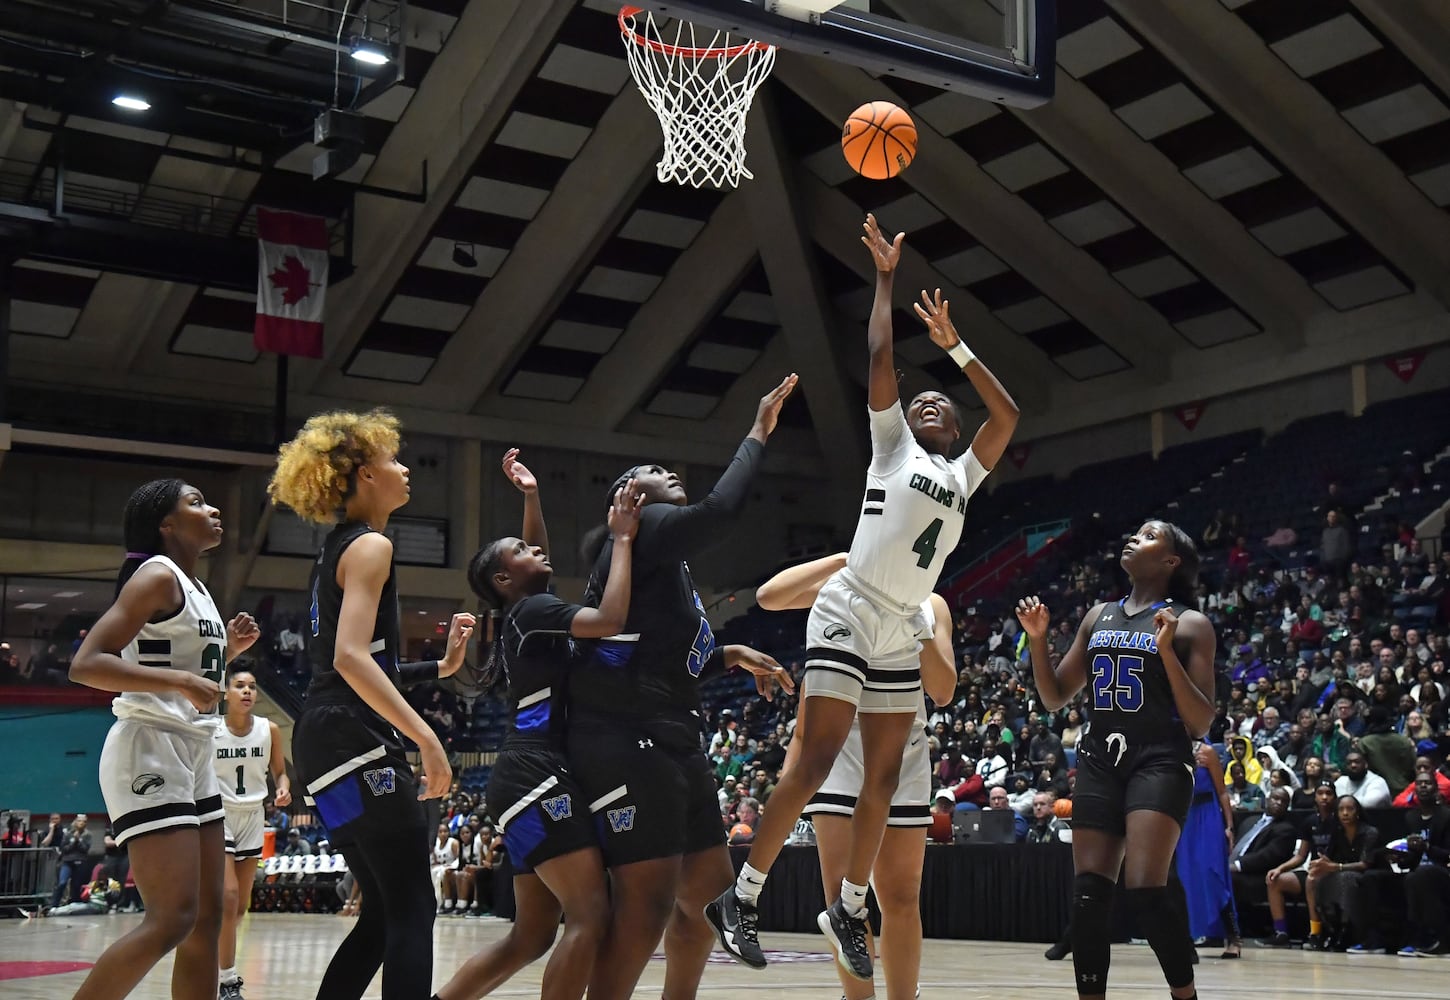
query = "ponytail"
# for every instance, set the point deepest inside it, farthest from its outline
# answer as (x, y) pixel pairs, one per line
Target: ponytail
(493, 668)
(148, 506)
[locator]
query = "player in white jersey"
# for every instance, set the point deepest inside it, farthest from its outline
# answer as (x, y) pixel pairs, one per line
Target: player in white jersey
(247, 747)
(163, 646)
(862, 637)
(896, 874)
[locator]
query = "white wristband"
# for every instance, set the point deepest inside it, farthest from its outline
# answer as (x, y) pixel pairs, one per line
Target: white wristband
(961, 355)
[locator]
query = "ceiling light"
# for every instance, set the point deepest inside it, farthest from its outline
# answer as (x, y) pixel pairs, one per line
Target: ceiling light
(67, 593)
(463, 255)
(131, 103)
(365, 52)
(30, 606)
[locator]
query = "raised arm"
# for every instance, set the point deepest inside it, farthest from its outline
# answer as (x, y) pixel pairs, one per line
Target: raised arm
(534, 531)
(1002, 413)
(1055, 687)
(882, 393)
(796, 587)
(153, 591)
(609, 618)
(679, 532)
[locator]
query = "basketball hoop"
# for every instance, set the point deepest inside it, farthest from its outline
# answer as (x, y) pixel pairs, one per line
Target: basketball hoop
(700, 89)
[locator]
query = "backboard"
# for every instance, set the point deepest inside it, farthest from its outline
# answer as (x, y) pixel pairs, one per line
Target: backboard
(1010, 60)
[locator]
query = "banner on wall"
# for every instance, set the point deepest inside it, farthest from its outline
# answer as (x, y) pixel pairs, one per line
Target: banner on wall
(1405, 365)
(1018, 454)
(1189, 414)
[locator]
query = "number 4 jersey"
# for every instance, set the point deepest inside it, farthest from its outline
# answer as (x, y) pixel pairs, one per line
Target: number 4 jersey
(912, 517)
(193, 639)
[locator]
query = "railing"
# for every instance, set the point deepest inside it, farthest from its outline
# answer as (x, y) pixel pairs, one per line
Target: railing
(1051, 528)
(27, 876)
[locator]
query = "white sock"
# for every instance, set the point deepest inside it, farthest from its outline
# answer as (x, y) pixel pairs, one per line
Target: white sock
(230, 975)
(853, 898)
(749, 884)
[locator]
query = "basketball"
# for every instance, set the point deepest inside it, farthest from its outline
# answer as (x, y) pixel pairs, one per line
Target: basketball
(879, 140)
(741, 833)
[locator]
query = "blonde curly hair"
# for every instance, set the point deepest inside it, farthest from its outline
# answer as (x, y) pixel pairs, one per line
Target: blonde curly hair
(315, 469)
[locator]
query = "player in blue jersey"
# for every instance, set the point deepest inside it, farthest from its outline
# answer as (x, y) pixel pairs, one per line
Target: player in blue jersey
(1147, 661)
(542, 814)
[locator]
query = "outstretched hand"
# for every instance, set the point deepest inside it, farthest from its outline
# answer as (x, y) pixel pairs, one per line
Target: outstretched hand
(767, 671)
(1034, 616)
(886, 253)
(768, 412)
(623, 514)
(518, 473)
(934, 311)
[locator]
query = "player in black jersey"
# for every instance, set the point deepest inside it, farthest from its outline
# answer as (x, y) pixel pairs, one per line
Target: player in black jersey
(542, 814)
(635, 728)
(343, 469)
(1147, 661)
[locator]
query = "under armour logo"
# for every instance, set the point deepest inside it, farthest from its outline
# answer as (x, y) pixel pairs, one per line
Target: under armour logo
(381, 781)
(646, 744)
(1088, 977)
(559, 807)
(1107, 618)
(622, 819)
(1121, 742)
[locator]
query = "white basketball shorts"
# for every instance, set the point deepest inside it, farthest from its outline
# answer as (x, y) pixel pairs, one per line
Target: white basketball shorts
(155, 779)
(910, 806)
(863, 653)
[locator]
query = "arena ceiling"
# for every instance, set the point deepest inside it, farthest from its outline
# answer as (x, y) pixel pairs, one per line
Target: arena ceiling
(1219, 189)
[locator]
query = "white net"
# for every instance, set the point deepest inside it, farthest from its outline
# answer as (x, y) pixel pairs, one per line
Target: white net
(700, 83)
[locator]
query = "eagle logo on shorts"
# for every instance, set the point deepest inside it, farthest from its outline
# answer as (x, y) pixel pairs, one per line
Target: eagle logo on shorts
(144, 784)
(559, 807)
(835, 631)
(381, 781)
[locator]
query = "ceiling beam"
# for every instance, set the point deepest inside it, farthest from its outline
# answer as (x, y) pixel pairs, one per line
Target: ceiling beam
(698, 284)
(463, 100)
(1142, 180)
(1028, 374)
(1224, 56)
(1418, 28)
(771, 202)
(949, 178)
(586, 206)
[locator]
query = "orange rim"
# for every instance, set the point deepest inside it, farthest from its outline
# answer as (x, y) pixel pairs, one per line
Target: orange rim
(626, 15)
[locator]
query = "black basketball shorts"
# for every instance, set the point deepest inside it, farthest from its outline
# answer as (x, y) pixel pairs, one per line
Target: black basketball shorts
(541, 811)
(1114, 779)
(355, 775)
(647, 801)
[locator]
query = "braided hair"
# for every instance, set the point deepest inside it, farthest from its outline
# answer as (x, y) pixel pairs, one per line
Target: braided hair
(149, 505)
(485, 563)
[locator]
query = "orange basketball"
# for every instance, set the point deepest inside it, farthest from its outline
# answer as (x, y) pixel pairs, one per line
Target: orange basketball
(879, 140)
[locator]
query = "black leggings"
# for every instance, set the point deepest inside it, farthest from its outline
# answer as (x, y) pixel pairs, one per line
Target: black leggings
(395, 930)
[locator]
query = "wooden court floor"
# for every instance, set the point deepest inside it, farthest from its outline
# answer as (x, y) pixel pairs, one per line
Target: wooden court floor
(283, 956)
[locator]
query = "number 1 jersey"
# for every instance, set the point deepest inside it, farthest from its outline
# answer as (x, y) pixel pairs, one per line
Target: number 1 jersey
(242, 763)
(193, 639)
(912, 516)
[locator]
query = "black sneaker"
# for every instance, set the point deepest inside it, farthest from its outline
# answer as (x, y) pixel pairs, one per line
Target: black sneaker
(1316, 942)
(736, 925)
(1057, 952)
(1436, 950)
(230, 991)
(1279, 940)
(848, 934)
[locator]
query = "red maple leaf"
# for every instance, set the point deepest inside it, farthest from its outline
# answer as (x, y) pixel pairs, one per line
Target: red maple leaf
(294, 279)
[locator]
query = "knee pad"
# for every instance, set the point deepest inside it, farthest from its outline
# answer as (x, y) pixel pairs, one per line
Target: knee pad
(1092, 929)
(1164, 921)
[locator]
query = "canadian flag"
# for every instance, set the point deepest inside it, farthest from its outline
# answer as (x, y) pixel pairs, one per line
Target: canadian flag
(291, 283)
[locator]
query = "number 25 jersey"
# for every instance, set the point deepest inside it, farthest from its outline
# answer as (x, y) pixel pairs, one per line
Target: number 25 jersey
(912, 517)
(1128, 687)
(194, 639)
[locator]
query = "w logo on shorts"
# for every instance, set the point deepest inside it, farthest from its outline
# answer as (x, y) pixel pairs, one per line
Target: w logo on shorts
(382, 781)
(621, 820)
(559, 807)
